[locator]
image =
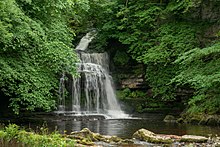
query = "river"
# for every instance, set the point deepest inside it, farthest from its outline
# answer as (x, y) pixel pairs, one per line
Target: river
(124, 128)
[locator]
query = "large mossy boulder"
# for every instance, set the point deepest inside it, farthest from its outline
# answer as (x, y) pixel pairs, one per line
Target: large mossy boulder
(146, 135)
(87, 137)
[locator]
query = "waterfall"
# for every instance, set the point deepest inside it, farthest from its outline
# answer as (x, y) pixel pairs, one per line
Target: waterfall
(61, 106)
(92, 92)
(84, 42)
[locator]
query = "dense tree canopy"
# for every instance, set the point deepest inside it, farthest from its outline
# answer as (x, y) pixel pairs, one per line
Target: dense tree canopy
(178, 43)
(35, 46)
(176, 40)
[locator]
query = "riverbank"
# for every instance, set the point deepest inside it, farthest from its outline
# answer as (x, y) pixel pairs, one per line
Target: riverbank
(200, 119)
(13, 135)
(124, 127)
(195, 119)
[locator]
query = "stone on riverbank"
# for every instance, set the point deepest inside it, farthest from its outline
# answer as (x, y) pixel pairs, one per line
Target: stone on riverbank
(193, 138)
(216, 141)
(145, 135)
(169, 118)
(87, 137)
(201, 119)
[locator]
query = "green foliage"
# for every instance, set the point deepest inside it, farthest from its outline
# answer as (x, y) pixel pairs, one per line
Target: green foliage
(138, 21)
(182, 6)
(201, 70)
(172, 40)
(152, 40)
(35, 46)
(121, 58)
(167, 36)
(128, 94)
(141, 102)
(13, 133)
(97, 15)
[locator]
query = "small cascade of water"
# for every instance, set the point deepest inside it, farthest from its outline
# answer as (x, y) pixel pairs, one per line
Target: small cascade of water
(61, 106)
(84, 42)
(92, 92)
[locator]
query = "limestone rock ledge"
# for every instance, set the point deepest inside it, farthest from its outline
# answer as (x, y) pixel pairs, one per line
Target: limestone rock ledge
(193, 138)
(88, 138)
(146, 135)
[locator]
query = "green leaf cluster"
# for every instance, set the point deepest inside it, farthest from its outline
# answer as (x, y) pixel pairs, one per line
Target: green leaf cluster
(128, 94)
(154, 39)
(35, 47)
(177, 40)
(14, 134)
(201, 70)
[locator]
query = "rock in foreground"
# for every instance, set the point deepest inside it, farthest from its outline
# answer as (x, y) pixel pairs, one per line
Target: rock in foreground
(145, 135)
(88, 138)
(170, 119)
(193, 138)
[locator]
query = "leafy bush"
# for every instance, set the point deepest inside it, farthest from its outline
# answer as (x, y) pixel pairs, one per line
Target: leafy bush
(121, 58)
(35, 47)
(13, 133)
(127, 94)
(174, 41)
(201, 70)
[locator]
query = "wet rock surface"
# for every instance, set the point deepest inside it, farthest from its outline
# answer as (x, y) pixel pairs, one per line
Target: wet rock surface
(209, 120)
(142, 137)
(145, 135)
(169, 118)
(87, 137)
(193, 138)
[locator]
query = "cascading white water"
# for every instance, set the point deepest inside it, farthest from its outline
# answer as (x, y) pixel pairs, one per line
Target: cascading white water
(84, 42)
(92, 92)
(61, 106)
(94, 86)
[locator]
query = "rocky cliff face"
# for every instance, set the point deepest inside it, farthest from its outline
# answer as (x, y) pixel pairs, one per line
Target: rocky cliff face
(126, 72)
(129, 76)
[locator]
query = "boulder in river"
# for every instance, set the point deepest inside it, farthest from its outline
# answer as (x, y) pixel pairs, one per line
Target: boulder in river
(193, 138)
(146, 135)
(87, 137)
(170, 119)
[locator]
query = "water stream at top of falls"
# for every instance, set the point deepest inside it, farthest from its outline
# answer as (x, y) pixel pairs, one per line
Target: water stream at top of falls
(92, 92)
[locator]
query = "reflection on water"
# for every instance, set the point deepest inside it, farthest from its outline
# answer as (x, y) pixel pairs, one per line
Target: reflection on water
(126, 127)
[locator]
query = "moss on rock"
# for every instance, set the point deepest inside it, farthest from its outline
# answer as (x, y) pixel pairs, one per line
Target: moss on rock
(87, 137)
(169, 118)
(193, 138)
(146, 135)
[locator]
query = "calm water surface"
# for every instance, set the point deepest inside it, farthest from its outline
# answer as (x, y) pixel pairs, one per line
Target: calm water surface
(126, 127)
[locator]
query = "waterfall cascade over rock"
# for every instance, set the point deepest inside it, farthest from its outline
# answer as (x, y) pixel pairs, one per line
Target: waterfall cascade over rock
(92, 91)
